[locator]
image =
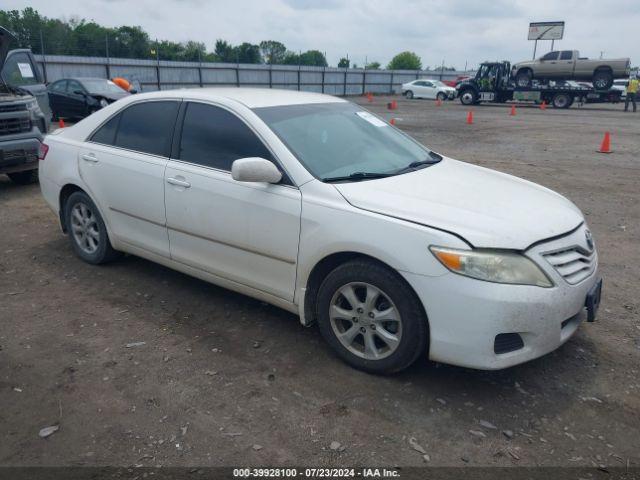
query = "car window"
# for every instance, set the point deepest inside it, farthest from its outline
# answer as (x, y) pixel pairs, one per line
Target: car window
(106, 134)
(148, 127)
(550, 56)
(215, 137)
(19, 71)
(73, 85)
(566, 55)
(59, 87)
(428, 84)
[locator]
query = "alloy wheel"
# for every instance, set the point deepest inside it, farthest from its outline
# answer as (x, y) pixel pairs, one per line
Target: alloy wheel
(84, 228)
(365, 320)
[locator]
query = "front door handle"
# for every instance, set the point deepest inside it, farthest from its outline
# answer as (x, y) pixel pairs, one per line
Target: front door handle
(178, 182)
(90, 158)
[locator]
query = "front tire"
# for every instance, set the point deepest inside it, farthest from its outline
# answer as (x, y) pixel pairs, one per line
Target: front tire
(441, 96)
(87, 231)
(468, 97)
(371, 317)
(409, 94)
(24, 178)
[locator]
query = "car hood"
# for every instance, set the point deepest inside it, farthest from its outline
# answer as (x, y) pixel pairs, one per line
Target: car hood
(5, 39)
(488, 209)
(110, 95)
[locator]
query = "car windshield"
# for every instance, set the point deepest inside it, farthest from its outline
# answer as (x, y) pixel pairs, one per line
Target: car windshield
(343, 142)
(101, 86)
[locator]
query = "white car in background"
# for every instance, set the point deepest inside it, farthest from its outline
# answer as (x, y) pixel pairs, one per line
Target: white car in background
(313, 204)
(621, 86)
(425, 88)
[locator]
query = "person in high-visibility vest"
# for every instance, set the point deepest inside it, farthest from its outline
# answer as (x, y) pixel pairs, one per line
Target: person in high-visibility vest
(632, 92)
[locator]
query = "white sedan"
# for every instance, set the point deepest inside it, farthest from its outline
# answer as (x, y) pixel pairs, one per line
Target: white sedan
(313, 204)
(424, 88)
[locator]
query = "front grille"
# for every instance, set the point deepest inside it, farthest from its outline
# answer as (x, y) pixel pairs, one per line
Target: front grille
(9, 126)
(507, 342)
(574, 264)
(13, 108)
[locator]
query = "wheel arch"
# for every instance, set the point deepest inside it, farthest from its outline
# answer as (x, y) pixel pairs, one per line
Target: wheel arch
(603, 68)
(325, 265)
(65, 192)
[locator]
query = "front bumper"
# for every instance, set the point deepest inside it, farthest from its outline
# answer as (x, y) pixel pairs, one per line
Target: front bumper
(21, 152)
(466, 315)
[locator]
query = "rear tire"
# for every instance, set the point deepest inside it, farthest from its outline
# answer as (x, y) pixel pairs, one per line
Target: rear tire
(87, 231)
(562, 100)
(24, 178)
(524, 77)
(602, 80)
(390, 325)
(409, 94)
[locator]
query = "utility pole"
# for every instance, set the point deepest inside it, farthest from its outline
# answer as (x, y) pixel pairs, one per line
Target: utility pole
(106, 49)
(44, 58)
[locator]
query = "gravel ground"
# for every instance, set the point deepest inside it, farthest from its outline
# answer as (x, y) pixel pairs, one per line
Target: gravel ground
(221, 379)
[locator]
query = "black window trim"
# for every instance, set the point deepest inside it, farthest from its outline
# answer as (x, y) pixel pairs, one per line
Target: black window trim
(121, 111)
(177, 138)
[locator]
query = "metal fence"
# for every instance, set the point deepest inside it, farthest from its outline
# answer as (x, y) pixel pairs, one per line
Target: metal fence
(149, 75)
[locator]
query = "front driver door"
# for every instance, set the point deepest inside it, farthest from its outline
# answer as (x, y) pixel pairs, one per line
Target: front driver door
(429, 89)
(244, 232)
(76, 99)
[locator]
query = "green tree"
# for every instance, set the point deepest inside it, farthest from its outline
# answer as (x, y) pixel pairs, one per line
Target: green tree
(405, 61)
(373, 66)
(291, 58)
(194, 51)
(224, 52)
(344, 63)
(248, 53)
(313, 58)
(273, 52)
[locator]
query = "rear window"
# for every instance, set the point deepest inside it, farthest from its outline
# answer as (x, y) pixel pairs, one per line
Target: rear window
(147, 127)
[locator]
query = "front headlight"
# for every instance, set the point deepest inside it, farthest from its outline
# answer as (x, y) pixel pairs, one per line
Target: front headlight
(32, 104)
(492, 266)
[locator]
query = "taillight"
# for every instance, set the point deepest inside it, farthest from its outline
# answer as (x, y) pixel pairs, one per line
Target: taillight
(42, 151)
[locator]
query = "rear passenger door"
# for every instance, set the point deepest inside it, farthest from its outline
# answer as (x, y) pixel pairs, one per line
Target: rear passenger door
(123, 166)
(244, 232)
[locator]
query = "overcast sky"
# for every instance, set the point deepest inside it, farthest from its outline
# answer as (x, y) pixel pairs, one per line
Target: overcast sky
(456, 31)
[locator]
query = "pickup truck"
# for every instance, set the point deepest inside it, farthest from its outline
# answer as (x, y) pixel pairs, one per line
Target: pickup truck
(23, 103)
(567, 65)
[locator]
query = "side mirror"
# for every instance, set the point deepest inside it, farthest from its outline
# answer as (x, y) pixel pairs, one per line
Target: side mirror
(133, 91)
(78, 92)
(255, 169)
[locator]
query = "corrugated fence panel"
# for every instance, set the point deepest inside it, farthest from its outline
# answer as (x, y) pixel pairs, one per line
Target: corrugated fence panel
(330, 80)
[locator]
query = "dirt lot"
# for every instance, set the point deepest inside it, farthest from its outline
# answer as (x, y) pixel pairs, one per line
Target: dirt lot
(221, 375)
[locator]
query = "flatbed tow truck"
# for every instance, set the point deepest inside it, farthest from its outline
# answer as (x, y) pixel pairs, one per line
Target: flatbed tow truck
(494, 83)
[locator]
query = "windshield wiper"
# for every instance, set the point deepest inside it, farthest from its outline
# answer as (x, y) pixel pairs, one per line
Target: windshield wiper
(435, 158)
(357, 176)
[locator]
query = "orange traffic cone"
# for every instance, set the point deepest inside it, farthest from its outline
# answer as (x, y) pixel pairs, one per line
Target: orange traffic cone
(392, 121)
(369, 97)
(605, 146)
(513, 111)
(61, 123)
(438, 102)
(394, 104)
(470, 117)
(543, 105)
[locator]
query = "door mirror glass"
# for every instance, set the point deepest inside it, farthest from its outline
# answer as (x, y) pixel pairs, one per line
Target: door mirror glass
(78, 92)
(255, 169)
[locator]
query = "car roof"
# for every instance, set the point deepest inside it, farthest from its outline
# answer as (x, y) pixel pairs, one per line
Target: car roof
(250, 97)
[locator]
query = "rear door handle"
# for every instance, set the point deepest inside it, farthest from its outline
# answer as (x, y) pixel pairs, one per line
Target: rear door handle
(178, 182)
(90, 158)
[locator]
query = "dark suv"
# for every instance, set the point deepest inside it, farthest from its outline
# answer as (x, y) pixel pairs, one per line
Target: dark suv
(24, 112)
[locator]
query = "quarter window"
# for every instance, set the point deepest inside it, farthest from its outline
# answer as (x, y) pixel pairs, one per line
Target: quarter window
(147, 127)
(106, 134)
(214, 137)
